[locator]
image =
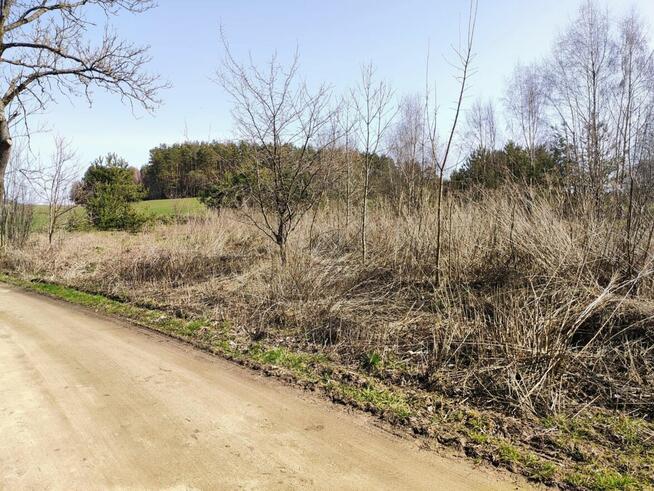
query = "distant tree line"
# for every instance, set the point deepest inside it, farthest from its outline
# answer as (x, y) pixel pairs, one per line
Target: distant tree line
(492, 168)
(218, 171)
(188, 169)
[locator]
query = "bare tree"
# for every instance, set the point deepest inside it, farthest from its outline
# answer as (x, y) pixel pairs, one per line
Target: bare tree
(408, 148)
(15, 212)
(53, 182)
(346, 121)
(633, 111)
(463, 65)
(481, 126)
(341, 157)
(373, 104)
(287, 126)
(45, 50)
(525, 102)
(580, 91)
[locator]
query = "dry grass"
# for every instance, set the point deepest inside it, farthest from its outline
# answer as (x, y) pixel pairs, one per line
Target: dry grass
(536, 311)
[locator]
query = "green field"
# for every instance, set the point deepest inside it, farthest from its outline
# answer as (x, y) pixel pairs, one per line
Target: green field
(170, 207)
(153, 208)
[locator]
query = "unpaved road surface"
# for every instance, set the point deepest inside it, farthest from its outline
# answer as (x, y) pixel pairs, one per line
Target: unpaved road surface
(87, 402)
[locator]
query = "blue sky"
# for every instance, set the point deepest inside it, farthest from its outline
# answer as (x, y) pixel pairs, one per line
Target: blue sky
(334, 38)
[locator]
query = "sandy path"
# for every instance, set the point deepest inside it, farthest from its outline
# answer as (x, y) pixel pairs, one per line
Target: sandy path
(87, 403)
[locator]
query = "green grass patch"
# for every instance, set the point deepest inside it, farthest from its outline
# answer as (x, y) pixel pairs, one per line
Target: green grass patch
(40, 217)
(602, 480)
(537, 468)
(477, 437)
(170, 207)
(508, 453)
(158, 208)
(299, 363)
(375, 396)
(574, 428)
(157, 320)
(630, 430)
(534, 467)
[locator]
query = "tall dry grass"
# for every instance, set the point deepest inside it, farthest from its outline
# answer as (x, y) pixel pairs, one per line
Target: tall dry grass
(535, 311)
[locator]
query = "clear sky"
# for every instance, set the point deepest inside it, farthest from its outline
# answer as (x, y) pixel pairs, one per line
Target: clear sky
(334, 38)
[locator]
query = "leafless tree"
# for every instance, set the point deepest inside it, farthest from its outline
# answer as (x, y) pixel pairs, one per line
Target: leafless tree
(342, 156)
(15, 211)
(579, 88)
(408, 148)
(53, 181)
(525, 102)
(480, 132)
(634, 94)
(633, 111)
(463, 65)
(46, 49)
(347, 138)
(481, 126)
(373, 101)
(286, 125)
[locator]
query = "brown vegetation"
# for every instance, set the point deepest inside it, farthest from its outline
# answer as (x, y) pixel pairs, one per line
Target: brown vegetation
(535, 312)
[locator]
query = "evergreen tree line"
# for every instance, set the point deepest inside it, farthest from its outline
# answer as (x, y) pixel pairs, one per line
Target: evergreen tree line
(217, 171)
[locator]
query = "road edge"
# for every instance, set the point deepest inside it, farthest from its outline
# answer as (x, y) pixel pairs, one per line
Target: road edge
(311, 372)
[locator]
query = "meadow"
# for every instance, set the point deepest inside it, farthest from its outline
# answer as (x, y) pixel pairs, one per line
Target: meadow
(154, 209)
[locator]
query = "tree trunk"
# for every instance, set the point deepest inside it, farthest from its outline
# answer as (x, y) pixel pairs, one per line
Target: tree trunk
(629, 232)
(5, 150)
(52, 219)
(347, 197)
(281, 244)
(364, 215)
(280, 239)
(439, 224)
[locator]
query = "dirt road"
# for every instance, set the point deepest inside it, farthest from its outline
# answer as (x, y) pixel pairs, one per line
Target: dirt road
(87, 402)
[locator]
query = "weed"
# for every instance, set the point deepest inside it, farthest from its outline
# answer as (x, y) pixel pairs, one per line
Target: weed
(508, 453)
(477, 437)
(372, 361)
(299, 363)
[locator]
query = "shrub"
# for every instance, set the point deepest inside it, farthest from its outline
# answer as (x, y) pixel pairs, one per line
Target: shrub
(107, 191)
(108, 209)
(15, 223)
